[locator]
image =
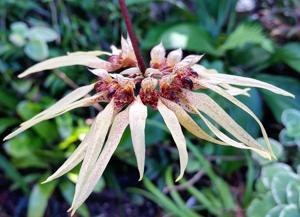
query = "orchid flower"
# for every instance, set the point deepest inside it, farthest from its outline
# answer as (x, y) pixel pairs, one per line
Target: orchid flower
(172, 85)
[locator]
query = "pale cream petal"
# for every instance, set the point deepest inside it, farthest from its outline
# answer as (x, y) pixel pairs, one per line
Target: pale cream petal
(235, 91)
(75, 158)
(175, 129)
(131, 71)
(115, 50)
(151, 72)
(174, 57)
(66, 100)
(118, 127)
(90, 53)
(228, 140)
(207, 105)
(187, 122)
(99, 72)
(54, 113)
(68, 60)
(137, 122)
(127, 49)
(188, 61)
(95, 140)
(158, 54)
(241, 105)
(242, 81)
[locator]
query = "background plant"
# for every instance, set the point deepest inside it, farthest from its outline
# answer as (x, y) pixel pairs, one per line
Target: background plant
(219, 182)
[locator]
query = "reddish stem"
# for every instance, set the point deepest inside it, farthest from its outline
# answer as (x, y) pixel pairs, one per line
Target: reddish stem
(132, 36)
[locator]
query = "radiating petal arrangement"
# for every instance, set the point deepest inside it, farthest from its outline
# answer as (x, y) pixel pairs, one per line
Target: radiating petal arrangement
(171, 85)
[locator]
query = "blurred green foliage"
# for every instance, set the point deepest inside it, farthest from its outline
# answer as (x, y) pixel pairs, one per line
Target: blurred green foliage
(232, 42)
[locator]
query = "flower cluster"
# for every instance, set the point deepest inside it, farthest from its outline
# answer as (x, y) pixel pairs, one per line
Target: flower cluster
(172, 85)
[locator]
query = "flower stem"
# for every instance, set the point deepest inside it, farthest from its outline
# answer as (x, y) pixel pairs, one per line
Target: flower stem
(134, 41)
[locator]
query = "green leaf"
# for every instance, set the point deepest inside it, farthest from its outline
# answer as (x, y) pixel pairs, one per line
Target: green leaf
(46, 129)
(17, 39)
(275, 211)
(279, 183)
(290, 211)
(11, 172)
(8, 99)
(260, 207)
(6, 123)
(36, 49)
(222, 188)
(203, 200)
(270, 170)
(293, 192)
(162, 200)
(254, 102)
(290, 55)
(175, 195)
(23, 145)
(277, 149)
(247, 34)
(38, 199)
(42, 33)
(183, 36)
(19, 28)
(278, 103)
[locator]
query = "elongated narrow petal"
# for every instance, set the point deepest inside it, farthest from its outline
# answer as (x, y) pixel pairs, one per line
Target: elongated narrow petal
(137, 121)
(54, 113)
(187, 122)
(90, 53)
(95, 140)
(75, 158)
(207, 105)
(235, 91)
(66, 100)
(91, 61)
(175, 129)
(228, 140)
(118, 127)
(241, 105)
(242, 81)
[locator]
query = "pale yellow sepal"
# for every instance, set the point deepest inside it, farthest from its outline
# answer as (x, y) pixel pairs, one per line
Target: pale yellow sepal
(177, 134)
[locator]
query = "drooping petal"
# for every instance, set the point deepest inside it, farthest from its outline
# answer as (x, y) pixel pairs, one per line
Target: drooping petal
(235, 91)
(137, 122)
(90, 53)
(174, 57)
(51, 114)
(66, 100)
(207, 105)
(218, 78)
(118, 127)
(187, 122)
(227, 140)
(241, 105)
(158, 54)
(88, 60)
(75, 158)
(95, 140)
(176, 132)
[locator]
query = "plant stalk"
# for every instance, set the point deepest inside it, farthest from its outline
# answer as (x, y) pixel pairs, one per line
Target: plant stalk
(134, 41)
